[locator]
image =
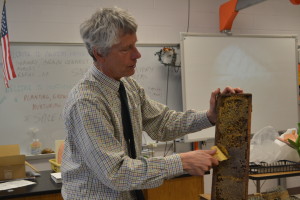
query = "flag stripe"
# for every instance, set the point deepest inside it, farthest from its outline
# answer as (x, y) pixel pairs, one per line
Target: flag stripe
(7, 59)
(3, 41)
(4, 58)
(8, 68)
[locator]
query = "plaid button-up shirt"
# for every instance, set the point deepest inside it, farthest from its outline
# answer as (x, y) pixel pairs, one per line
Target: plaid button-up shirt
(95, 161)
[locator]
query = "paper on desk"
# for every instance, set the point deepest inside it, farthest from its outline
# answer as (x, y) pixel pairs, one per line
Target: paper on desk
(15, 184)
(56, 177)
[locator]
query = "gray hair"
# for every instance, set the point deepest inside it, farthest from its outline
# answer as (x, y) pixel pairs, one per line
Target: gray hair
(104, 29)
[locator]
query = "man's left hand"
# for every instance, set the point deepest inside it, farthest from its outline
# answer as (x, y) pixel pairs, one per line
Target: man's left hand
(211, 113)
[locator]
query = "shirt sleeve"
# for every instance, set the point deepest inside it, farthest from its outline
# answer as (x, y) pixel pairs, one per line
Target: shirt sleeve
(100, 151)
(163, 124)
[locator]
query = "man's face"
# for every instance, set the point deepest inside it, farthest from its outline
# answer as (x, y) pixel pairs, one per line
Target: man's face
(122, 58)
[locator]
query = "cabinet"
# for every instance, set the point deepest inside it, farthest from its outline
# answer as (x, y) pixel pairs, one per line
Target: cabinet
(186, 187)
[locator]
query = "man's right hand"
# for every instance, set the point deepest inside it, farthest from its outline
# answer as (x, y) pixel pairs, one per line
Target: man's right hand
(198, 162)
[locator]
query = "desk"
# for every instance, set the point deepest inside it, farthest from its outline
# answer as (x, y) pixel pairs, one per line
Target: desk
(184, 187)
(45, 189)
(259, 177)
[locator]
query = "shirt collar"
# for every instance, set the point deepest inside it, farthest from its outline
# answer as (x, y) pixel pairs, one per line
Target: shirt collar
(110, 82)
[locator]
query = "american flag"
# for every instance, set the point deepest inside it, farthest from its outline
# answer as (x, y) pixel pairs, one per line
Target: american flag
(8, 68)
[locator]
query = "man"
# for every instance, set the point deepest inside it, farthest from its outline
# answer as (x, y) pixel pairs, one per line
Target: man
(98, 161)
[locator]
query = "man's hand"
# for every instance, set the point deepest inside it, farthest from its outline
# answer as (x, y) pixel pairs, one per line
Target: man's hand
(198, 162)
(211, 113)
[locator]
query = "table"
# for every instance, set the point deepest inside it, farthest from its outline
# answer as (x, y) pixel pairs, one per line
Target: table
(259, 177)
(183, 187)
(45, 189)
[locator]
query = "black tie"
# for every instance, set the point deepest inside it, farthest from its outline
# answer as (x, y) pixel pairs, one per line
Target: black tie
(128, 131)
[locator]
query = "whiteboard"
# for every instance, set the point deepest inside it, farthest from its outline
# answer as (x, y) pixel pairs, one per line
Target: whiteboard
(45, 75)
(265, 66)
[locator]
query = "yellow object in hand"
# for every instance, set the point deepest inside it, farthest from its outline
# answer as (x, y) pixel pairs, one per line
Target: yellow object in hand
(219, 155)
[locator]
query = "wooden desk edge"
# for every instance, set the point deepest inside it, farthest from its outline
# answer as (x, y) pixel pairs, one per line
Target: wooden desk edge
(205, 196)
(274, 175)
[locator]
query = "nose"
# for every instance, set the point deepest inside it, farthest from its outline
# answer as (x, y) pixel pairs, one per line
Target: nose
(136, 54)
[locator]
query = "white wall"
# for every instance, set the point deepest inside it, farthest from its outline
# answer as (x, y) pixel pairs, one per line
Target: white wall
(160, 21)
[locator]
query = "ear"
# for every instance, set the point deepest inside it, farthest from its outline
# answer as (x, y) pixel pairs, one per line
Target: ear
(98, 56)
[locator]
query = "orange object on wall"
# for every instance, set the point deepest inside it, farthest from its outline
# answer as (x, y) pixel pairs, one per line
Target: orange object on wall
(227, 14)
(295, 2)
